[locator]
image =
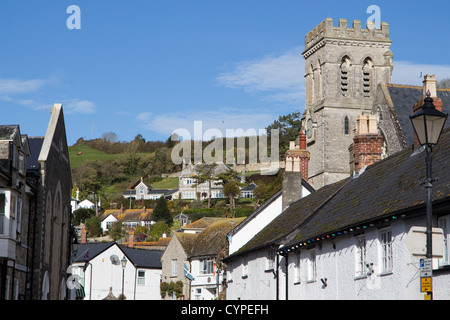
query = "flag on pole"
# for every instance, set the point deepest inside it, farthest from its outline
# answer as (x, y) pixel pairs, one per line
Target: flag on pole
(86, 260)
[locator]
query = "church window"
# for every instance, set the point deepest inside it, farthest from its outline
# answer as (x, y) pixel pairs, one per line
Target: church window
(346, 125)
(345, 68)
(367, 73)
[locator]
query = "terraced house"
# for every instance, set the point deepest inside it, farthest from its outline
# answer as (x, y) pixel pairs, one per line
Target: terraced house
(348, 238)
(35, 214)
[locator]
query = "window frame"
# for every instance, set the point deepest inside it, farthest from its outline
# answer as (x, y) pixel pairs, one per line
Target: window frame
(386, 251)
(360, 256)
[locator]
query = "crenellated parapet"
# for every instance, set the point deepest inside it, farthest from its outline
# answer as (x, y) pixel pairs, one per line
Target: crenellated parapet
(326, 30)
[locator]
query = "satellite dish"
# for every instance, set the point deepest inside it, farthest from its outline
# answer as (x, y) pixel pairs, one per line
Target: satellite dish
(114, 259)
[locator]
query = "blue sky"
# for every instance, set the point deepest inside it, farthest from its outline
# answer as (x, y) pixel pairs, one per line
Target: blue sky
(151, 66)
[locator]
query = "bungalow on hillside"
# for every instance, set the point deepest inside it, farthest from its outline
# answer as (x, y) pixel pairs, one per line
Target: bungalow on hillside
(129, 217)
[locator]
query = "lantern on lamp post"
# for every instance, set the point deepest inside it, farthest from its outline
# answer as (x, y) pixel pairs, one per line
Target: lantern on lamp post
(124, 263)
(428, 124)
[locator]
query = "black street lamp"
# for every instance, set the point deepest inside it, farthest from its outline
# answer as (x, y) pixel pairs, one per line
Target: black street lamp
(428, 124)
(124, 263)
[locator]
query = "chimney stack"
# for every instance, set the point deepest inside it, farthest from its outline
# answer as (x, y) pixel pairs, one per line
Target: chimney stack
(131, 238)
(367, 143)
(297, 159)
(83, 239)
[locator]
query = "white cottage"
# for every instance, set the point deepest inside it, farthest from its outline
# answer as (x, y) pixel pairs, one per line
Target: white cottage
(348, 240)
(99, 270)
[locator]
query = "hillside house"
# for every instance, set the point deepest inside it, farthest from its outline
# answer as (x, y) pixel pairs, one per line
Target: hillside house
(143, 191)
(130, 218)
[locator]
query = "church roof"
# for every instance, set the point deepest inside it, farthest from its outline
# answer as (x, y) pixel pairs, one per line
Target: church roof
(403, 98)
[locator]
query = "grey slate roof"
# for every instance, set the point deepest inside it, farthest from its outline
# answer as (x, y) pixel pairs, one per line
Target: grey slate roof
(386, 188)
(404, 97)
(141, 258)
(7, 131)
(35, 149)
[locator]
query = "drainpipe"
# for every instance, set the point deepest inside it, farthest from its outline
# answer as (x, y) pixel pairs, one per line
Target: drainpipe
(276, 275)
(287, 274)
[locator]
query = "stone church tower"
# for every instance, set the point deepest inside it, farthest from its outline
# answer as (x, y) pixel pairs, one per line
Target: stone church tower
(343, 67)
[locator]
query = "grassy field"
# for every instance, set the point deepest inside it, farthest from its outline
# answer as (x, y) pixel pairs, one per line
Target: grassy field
(88, 154)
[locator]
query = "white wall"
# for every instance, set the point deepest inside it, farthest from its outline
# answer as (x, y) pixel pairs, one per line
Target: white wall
(258, 282)
(106, 275)
(338, 265)
(207, 283)
(259, 222)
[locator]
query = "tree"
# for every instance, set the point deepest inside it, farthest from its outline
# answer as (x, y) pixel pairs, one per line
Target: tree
(82, 214)
(93, 225)
(206, 174)
(110, 137)
(162, 212)
(443, 84)
(289, 128)
(157, 229)
(231, 186)
(115, 232)
(231, 190)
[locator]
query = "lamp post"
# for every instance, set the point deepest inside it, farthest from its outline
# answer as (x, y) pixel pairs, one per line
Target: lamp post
(75, 245)
(428, 124)
(124, 263)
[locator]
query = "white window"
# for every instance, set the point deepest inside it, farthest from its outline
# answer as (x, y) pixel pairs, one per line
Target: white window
(174, 267)
(198, 292)
(311, 266)
(206, 266)
(141, 277)
(361, 261)
(386, 251)
(444, 223)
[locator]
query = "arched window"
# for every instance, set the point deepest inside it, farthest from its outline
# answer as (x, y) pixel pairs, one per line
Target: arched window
(345, 69)
(367, 74)
(310, 82)
(346, 125)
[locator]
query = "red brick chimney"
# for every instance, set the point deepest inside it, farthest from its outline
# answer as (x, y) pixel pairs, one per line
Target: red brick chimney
(367, 144)
(297, 159)
(83, 239)
(429, 87)
(131, 238)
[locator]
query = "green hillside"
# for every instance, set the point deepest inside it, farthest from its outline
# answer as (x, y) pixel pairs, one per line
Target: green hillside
(90, 154)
